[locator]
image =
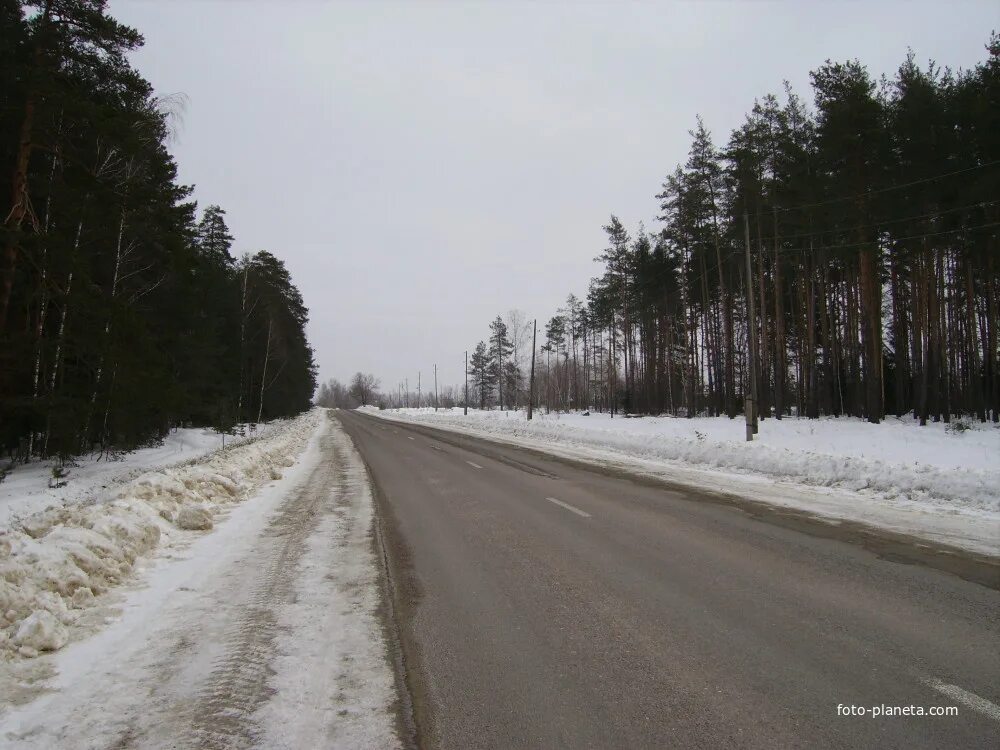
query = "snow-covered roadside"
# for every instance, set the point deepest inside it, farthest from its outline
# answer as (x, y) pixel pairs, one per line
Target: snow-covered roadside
(92, 478)
(332, 684)
(925, 482)
(262, 633)
(56, 564)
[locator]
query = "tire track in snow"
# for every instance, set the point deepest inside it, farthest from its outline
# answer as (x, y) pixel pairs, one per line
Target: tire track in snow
(264, 633)
(238, 683)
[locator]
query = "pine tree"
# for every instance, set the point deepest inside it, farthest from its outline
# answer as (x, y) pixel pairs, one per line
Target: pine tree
(279, 360)
(884, 192)
(123, 318)
(64, 36)
(213, 236)
(483, 373)
(500, 351)
(555, 343)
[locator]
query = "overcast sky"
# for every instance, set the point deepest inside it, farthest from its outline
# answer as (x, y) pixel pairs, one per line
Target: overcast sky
(422, 167)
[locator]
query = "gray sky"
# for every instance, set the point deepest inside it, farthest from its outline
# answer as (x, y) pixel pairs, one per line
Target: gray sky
(421, 167)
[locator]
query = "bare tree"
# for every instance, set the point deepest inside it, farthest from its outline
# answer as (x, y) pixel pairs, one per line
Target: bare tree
(519, 331)
(364, 388)
(335, 395)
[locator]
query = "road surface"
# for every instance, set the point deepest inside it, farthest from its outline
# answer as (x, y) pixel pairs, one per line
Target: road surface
(543, 604)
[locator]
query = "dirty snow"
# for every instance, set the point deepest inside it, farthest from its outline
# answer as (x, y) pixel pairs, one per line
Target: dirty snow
(261, 633)
(55, 562)
(933, 481)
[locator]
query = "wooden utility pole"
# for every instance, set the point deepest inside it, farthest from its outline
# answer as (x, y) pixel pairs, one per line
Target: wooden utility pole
(263, 377)
(548, 378)
(531, 380)
(406, 393)
(466, 411)
(779, 329)
(751, 402)
(435, 387)
(419, 400)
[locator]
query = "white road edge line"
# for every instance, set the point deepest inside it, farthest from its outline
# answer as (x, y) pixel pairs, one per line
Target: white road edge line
(967, 699)
(473, 465)
(567, 506)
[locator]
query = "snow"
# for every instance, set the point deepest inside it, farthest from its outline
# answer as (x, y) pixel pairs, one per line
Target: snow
(333, 633)
(194, 519)
(41, 632)
(934, 482)
(263, 632)
(54, 562)
(26, 489)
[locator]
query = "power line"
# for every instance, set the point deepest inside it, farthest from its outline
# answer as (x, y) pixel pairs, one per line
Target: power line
(934, 214)
(892, 187)
(696, 279)
(895, 239)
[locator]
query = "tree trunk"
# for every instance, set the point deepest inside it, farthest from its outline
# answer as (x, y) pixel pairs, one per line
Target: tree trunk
(20, 199)
(43, 303)
(107, 329)
(263, 377)
(871, 335)
(60, 339)
(812, 389)
(779, 331)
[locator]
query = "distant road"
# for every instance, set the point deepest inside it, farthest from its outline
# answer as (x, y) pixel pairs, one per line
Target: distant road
(544, 605)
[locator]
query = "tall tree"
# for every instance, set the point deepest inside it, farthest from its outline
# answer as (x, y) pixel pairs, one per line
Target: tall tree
(483, 372)
(500, 351)
(873, 248)
(123, 316)
(64, 36)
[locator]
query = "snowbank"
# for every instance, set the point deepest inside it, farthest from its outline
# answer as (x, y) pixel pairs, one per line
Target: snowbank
(26, 489)
(930, 470)
(53, 563)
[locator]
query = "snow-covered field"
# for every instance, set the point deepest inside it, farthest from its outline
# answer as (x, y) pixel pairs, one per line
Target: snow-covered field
(123, 626)
(932, 481)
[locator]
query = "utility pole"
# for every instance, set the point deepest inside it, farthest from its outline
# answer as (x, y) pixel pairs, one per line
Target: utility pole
(548, 378)
(435, 387)
(751, 402)
(531, 381)
(500, 369)
(419, 400)
(466, 412)
(406, 393)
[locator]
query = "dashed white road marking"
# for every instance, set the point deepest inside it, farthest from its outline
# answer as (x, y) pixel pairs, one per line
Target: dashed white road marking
(473, 465)
(436, 447)
(967, 699)
(567, 506)
(410, 437)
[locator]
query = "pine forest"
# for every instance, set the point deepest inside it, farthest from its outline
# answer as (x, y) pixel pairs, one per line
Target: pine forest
(852, 245)
(124, 311)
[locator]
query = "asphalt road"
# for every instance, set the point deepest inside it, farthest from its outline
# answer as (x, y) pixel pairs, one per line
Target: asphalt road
(541, 604)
